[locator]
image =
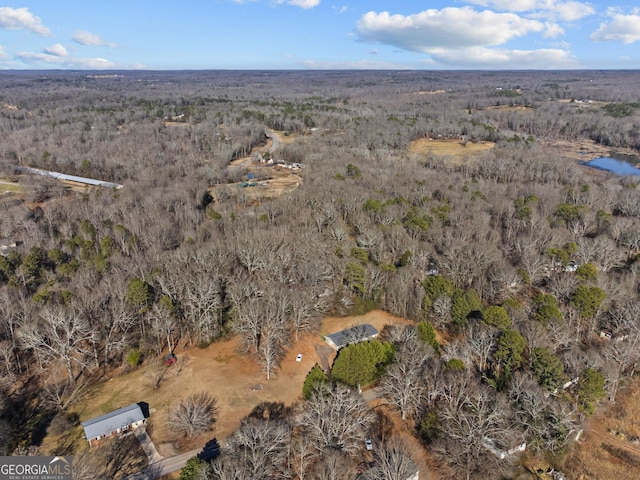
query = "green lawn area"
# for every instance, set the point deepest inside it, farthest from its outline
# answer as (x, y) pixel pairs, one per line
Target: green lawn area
(8, 186)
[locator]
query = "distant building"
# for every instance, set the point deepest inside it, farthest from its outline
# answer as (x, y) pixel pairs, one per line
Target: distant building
(112, 423)
(9, 246)
(356, 334)
(68, 178)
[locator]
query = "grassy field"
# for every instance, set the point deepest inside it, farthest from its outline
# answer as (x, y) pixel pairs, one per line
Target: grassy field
(7, 186)
(455, 149)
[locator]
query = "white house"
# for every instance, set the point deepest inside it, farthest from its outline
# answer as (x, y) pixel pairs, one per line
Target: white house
(356, 334)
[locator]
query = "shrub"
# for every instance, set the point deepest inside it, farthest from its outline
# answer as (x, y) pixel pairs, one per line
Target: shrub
(134, 358)
(315, 378)
(428, 335)
(591, 391)
(496, 316)
(362, 363)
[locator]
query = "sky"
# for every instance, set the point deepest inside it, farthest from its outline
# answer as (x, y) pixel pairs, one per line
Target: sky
(319, 34)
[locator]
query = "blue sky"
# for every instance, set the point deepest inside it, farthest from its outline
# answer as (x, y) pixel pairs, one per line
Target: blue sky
(319, 34)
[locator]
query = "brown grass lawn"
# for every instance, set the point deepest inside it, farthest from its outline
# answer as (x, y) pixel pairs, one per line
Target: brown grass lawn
(235, 380)
(281, 181)
(455, 148)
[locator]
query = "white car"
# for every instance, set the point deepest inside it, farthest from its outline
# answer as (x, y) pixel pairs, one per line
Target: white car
(369, 444)
(299, 358)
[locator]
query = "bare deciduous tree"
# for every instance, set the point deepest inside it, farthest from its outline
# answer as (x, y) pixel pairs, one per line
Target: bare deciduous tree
(61, 334)
(403, 384)
(194, 415)
(257, 450)
(338, 419)
(392, 461)
(334, 465)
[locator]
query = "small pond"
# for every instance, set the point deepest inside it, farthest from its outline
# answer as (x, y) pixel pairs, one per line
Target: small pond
(614, 165)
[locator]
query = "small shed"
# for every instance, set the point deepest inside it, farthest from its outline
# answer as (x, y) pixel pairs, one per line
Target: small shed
(356, 334)
(112, 423)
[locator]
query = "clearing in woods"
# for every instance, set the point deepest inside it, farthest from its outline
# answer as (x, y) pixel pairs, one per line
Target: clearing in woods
(235, 380)
(454, 148)
(269, 180)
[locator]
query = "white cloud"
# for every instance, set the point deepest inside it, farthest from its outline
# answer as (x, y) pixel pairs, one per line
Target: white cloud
(508, 5)
(622, 28)
(552, 30)
(446, 28)
(466, 38)
(341, 9)
(89, 39)
(66, 62)
(569, 11)
(300, 3)
(3, 54)
(57, 50)
(481, 57)
(22, 19)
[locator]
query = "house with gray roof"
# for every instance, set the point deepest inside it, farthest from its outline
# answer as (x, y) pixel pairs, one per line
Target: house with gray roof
(112, 423)
(356, 334)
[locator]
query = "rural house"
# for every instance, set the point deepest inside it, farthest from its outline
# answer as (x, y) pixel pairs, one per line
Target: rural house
(356, 334)
(118, 421)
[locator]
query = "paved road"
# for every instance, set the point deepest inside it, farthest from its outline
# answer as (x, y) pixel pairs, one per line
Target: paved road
(164, 466)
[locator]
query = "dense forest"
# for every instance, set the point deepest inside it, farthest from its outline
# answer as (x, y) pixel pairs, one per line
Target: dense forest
(520, 260)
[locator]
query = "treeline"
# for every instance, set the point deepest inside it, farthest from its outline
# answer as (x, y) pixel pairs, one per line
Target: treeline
(521, 257)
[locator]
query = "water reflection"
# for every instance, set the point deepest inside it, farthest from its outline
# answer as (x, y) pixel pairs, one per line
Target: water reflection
(619, 167)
